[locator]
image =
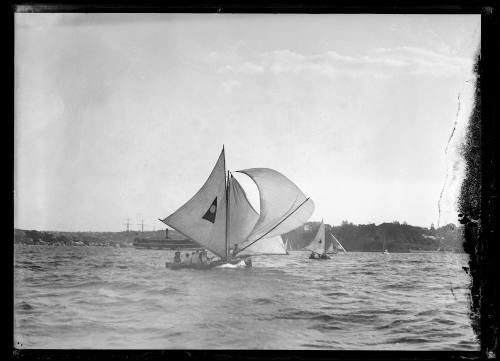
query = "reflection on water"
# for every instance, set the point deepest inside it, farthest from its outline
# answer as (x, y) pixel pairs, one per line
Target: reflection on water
(95, 297)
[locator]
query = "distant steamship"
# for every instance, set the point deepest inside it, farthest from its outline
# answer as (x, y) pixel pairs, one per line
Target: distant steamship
(172, 241)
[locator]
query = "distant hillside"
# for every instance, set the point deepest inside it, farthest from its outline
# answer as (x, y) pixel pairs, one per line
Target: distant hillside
(394, 237)
(88, 238)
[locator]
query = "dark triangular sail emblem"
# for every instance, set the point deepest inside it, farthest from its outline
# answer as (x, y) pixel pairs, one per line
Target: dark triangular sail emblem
(211, 212)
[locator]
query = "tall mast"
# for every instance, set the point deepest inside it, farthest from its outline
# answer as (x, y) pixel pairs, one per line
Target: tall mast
(324, 237)
(227, 216)
(324, 240)
(226, 179)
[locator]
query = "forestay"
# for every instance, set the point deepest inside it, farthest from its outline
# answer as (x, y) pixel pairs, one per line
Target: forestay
(318, 243)
(283, 206)
(203, 217)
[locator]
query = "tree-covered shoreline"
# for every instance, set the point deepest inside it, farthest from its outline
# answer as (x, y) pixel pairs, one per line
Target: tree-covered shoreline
(395, 237)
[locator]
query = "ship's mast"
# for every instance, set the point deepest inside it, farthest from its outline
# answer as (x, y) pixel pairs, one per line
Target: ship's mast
(324, 239)
(142, 225)
(127, 224)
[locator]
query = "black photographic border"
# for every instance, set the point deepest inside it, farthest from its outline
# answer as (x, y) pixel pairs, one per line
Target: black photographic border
(481, 227)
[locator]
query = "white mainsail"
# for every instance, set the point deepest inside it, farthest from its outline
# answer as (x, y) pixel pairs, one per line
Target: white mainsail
(242, 216)
(287, 245)
(318, 243)
(203, 217)
(242, 220)
(273, 245)
(283, 206)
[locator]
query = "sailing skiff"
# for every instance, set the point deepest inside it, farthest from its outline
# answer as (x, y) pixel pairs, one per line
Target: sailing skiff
(219, 216)
(318, 244)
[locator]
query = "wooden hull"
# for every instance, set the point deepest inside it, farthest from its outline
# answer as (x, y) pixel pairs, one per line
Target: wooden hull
(247, 262)
(321, 259)
(177, 266)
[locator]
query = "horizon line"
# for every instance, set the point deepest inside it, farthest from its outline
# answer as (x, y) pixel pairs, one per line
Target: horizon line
(163, 229)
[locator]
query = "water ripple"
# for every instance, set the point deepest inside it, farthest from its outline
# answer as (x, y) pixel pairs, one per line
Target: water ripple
(97, 297)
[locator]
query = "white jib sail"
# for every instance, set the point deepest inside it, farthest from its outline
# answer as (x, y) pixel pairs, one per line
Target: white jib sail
(283, 206)
(330, 248)
(273, 245)
(318, 243)
(242, 216)
(203, 217)
(339, 245)
(287, 245)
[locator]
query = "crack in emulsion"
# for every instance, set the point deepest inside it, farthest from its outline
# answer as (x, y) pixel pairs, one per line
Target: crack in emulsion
(446, 152)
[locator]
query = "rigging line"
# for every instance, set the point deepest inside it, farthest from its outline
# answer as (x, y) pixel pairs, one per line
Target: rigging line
(284, 219)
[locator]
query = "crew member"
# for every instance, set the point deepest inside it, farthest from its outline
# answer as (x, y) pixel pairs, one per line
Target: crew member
(196, 257)
(235, 250)
(177, 257)
(203, 257)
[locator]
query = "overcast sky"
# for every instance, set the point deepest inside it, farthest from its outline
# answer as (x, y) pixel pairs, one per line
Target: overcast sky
(124, 115)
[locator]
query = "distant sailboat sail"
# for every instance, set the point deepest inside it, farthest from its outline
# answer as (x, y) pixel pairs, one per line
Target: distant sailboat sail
(339, 245)
(203, 217)
(283, 206)
(331, 249)
(287, 245)
(317, 245)
(273, 245)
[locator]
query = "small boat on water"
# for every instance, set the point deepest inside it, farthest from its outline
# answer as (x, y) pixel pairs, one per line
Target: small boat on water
(318, 244)
(385, 251)
(219, 216)
(235, 263)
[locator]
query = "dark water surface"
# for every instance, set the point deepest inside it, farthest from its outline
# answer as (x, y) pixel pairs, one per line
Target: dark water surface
(97, 297)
